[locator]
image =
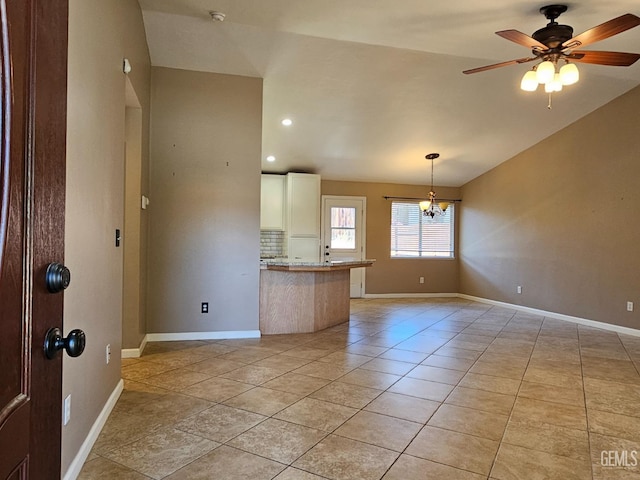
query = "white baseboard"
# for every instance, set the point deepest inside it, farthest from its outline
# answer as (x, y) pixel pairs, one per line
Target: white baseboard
(557, 316)
(76, 466)
(134, 352)
(410, 295)
(224, 335)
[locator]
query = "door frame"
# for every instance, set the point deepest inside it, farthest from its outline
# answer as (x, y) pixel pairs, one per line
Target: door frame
(363, 233)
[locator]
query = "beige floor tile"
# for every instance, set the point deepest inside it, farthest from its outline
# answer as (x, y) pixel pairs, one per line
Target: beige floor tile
(422, 344)
(403, 406)
(177, 379)
(566, 442)
(422, 388)
(436, 374)
(102, 469)
(285, 362)
(364, 349)
(614, 473)
(327, 371)
(345, 359)
(506, 386)
(213, 349)
(229, 464)
(622, 371)
(346, 394)
(552, 393)
(246, 355)
(403, 355)
(506, 369)
(254, 375)
(278, 440)
(558, 414)
(388, 366)
(552, 378)
(124, 428)
(220, 423)
(317, 414)
(450, 351)
(370, 379)
(614, 453)
(142, 370)
(412, 468)
(614, 425)
(344, 459)
(217, 389)
(215, 366)
(295, 383)
(264, 401)
(168, 408)
(307, 352)
(518, 463)
(614, 397)
(296, 474)
(381, 430)
(458, 450)
(452, 363)
(470, 421)
(481, 400)
(162, 453)
(177, 359)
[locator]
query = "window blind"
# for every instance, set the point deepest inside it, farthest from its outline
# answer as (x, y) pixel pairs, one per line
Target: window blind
(415, 235)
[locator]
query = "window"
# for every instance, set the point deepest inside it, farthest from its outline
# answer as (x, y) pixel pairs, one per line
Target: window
(414, 235)
(343, 228)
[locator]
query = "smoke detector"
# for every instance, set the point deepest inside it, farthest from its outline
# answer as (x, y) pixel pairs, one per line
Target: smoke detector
(217, 16)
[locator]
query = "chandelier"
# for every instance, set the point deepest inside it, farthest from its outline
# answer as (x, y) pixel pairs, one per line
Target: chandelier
(430, 208)
(545, 74)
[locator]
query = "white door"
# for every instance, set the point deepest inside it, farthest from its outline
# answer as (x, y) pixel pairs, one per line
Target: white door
(343, 234)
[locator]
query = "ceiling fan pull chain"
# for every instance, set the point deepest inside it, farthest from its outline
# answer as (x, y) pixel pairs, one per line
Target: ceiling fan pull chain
(549, 105)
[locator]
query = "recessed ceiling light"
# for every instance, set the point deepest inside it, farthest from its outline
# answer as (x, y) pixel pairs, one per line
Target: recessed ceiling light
(287, 122)
(271, 158)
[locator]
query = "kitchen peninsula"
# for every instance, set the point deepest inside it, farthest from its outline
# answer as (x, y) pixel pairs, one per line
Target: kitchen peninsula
(304, 297)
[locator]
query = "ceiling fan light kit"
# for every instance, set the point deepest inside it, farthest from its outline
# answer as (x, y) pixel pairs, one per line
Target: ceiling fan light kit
(555, 43)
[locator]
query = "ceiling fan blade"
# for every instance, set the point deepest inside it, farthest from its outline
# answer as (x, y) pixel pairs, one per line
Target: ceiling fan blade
(615, 59)
(522, 39)
(605, 30)
(498, 65)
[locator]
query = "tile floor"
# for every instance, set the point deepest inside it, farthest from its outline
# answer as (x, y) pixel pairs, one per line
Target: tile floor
(408, 389)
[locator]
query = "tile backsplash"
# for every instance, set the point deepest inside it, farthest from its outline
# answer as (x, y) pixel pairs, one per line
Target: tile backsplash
(272, 243)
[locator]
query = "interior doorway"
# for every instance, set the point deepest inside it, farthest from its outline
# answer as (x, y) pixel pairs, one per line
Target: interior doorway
(134, 237)
(343, 235)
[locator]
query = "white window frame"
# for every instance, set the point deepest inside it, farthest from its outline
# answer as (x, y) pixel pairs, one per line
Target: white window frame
(443, 251)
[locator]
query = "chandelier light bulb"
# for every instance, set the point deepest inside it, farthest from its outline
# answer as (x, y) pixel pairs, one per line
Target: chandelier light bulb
(529, 82)
(545, 72)
(569, 74)
(556, 83)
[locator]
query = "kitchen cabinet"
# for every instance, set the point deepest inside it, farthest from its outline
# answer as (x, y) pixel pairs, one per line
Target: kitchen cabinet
(272, 202)
(303, 216)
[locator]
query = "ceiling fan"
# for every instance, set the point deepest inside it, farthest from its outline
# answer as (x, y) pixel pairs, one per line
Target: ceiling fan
(556, 42)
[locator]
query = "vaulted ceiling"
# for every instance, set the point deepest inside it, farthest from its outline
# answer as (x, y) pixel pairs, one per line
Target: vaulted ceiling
(372, 86)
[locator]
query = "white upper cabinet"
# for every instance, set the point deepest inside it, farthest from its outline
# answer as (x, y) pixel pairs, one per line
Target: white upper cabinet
(303, 204)
(272, 202)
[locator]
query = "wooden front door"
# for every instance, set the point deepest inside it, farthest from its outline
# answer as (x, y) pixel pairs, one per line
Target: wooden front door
(33, 54)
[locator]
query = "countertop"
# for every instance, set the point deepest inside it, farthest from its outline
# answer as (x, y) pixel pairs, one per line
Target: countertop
(301, 266)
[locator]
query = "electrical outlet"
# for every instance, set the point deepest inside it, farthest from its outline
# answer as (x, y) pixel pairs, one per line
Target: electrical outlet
(421, 279)
(204, 308)
(67, 410)
(519, 289)
(108, 353)
(629, 306)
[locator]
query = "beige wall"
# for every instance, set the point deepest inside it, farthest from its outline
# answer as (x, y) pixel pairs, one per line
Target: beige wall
(399, 275)
(561, 219)
(101, 34)
(205, 202)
